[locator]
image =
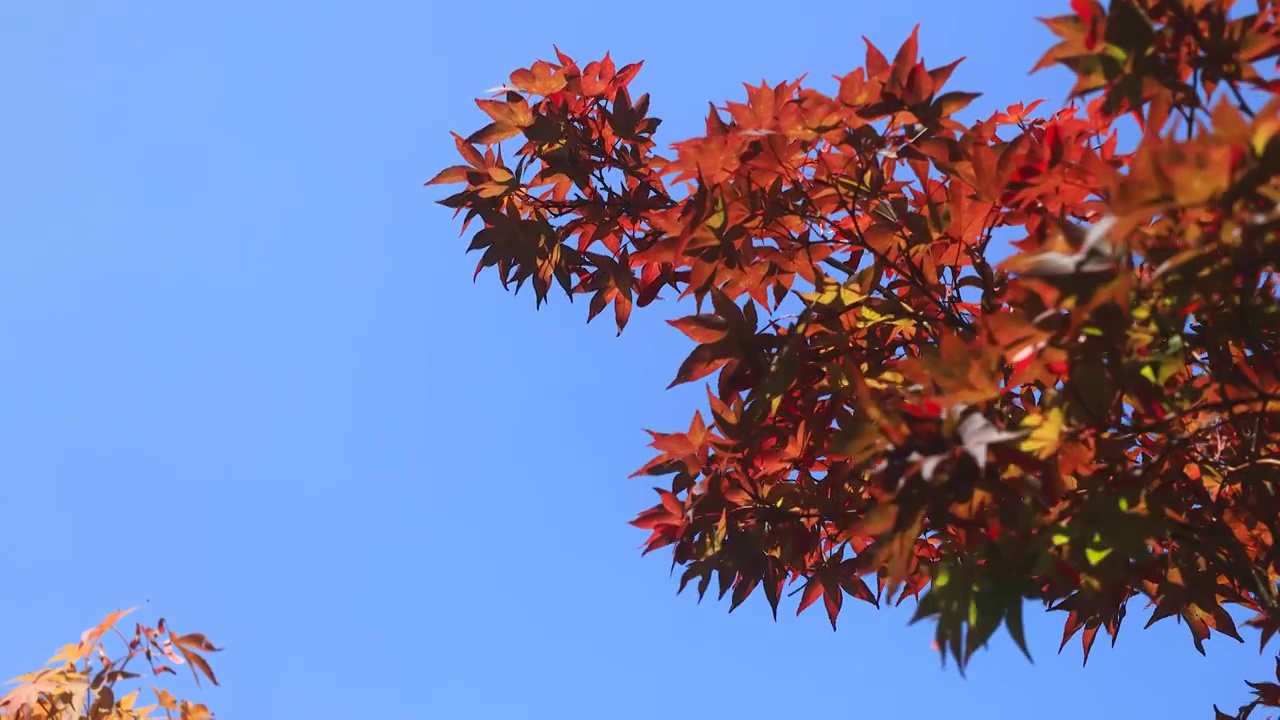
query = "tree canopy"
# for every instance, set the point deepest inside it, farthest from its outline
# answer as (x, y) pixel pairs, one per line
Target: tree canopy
(893, 409)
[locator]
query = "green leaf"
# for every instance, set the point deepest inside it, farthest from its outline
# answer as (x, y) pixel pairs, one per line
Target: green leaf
(985, 614)
(1013, 621)
(1096, 555)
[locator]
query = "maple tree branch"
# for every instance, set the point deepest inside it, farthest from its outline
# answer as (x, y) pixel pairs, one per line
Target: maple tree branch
(1243, 104)
(947, 313)
(900, 305)
(1271, 461)
(1202, 45)
(839, 265)
(827, 184)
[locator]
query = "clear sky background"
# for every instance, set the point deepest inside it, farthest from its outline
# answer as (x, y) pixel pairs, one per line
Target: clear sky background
(247, 383)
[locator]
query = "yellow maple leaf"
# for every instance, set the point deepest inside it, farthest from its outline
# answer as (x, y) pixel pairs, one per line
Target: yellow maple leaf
(138, 713)
(127, 702)
(835, 295)
(167, 701)
(89, 638)
(1046, 433)
(70, 654)
(195, 711)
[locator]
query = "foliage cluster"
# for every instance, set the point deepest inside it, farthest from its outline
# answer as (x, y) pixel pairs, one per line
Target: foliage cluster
(83, 681)
(892, 410)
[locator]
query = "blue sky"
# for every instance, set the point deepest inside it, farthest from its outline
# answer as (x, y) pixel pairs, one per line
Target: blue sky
(249, 385)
